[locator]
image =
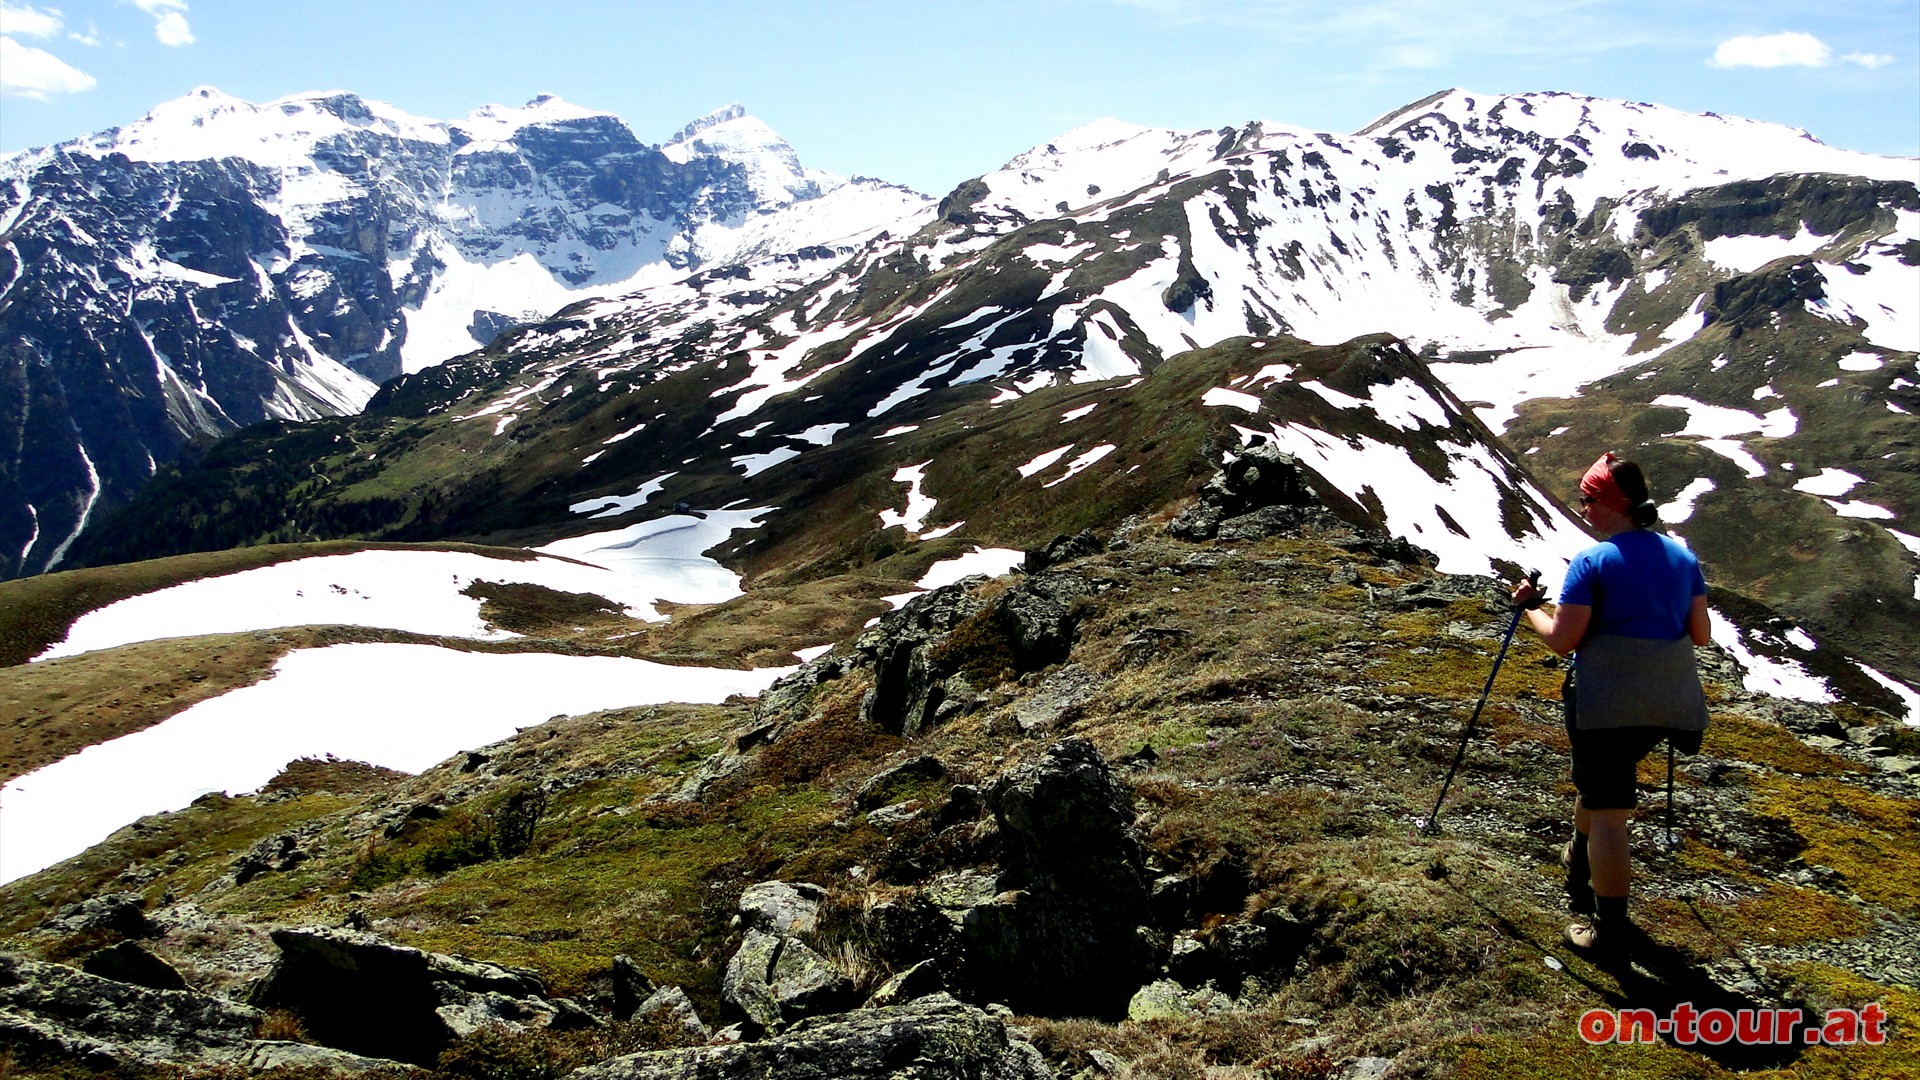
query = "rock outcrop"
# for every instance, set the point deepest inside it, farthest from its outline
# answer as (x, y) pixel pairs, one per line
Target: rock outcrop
(934, 1038)
(1060, 927)
(774, 978)
(358, 992)
(932, 657)
(54, 1010)
(1257, 492)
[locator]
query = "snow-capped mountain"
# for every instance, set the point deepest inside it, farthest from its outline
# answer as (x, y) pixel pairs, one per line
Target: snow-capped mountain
(1675, 273)
(219, 263)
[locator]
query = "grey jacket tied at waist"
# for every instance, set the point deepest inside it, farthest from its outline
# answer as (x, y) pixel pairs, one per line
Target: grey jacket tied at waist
(1637, 682)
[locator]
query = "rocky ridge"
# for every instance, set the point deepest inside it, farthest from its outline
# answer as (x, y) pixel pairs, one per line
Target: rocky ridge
(1203, 846)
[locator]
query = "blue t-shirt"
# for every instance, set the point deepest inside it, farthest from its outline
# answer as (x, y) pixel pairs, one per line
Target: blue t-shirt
(1640, 584)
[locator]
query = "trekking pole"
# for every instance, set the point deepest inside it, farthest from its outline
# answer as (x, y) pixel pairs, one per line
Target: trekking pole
(1669, 794)
(1432, 823)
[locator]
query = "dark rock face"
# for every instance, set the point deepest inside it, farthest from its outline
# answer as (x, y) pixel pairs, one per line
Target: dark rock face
(925, 655)
(1060, 928)
(127, 962)
(359, 993)
(1063, 549)
(934, 1038)
(1067, 842)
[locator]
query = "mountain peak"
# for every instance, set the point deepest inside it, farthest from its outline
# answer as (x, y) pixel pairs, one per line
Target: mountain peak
(723, 115)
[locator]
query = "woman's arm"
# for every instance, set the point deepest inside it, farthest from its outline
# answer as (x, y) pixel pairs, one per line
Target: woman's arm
(1561, 630)
(1699, 627)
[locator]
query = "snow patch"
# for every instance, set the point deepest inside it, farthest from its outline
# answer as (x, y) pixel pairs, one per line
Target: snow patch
(399, 706)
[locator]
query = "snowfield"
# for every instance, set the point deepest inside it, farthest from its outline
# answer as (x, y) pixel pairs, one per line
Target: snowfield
(420, 591)
(400, 706)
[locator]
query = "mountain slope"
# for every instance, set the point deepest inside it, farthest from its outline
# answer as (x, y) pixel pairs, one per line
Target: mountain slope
(1239, 687)
(1528, 247)
(220, 263)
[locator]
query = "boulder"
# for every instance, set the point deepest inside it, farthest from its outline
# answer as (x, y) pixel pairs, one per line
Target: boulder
(889, 818)
(1039, 619)
(1063, 549)
(1168, 1000)
(671, 1009)
(917, 981)
(357, 992)
(275, 853)
(631, 987)
(887, 783)
(774, 980)
(933, 1038)
(1060, 931)
(53, 1010)
(1253, 479)
(124, 913)
(918, 683)
(1058, 693)
(746, 984)
(308, 1059)
(781, 907)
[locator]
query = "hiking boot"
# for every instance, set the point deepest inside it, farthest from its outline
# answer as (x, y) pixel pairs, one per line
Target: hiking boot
(1606, 943)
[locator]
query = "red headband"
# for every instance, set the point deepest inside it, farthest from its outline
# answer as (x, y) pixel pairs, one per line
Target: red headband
(1600, 486)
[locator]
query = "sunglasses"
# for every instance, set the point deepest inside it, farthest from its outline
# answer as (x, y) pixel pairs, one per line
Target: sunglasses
(1588, 500)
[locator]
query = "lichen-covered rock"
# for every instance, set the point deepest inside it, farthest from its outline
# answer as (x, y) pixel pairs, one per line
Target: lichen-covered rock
(934, 1038)
(775, 979)
(746, 986)
(782, 907)
(1168, 1000)
(670, 1007)
(54, 1010)
(265, 1055)
(917, 981)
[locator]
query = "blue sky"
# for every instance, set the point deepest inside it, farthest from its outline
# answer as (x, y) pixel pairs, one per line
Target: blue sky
(929, 95)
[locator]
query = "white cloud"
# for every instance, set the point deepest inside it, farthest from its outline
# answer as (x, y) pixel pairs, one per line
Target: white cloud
(35, 73)
(1869, 60)
(1791, 49)
(27, 22)
(91, 37)
(169, 20)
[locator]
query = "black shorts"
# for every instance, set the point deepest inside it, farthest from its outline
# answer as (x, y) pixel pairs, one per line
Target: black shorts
(1605, 759)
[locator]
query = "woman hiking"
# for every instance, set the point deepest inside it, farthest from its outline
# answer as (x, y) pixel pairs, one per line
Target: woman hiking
(1632, 610)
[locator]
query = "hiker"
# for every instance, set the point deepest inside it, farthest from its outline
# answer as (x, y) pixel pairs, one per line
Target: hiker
(1632, 609)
